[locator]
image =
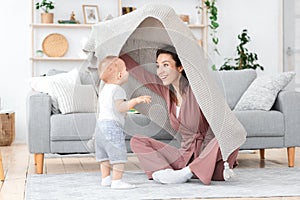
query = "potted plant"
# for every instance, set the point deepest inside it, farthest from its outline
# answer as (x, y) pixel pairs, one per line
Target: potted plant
(245, 59)
(212, 11)
(46, 6)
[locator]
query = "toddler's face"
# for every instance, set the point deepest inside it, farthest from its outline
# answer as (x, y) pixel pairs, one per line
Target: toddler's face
(124, 72)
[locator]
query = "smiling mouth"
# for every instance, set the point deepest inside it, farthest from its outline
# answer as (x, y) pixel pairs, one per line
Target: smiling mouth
(163, 77)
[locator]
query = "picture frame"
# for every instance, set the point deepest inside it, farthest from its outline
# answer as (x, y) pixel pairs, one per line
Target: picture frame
(90, 14)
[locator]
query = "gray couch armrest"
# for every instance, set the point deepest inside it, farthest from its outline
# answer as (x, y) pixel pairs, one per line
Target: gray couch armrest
(288, 102)
(38, 120)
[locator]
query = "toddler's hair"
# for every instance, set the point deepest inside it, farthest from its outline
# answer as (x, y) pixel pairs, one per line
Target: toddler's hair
(107, 68)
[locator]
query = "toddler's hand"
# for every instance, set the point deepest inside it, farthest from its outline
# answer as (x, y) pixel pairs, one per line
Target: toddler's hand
(143, 99)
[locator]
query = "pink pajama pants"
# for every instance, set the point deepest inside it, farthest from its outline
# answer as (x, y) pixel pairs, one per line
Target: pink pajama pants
(155, 155)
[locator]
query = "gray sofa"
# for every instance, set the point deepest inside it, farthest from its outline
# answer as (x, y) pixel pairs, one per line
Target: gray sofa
(57, 133)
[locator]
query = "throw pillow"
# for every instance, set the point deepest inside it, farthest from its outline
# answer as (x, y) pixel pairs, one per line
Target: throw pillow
(54, 103)
(43, 84)
(73, 98)
(53, 72)
(90, 76)
(263, 91)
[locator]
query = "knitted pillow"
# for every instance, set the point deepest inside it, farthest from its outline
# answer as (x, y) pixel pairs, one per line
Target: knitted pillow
(43, 83)
(263, 91)
(73, 98)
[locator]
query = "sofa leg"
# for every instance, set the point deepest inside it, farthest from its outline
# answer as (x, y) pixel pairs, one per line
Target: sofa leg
(39, 160)
(1, 169)
(291, 156)
(35, 159)
(262, 154)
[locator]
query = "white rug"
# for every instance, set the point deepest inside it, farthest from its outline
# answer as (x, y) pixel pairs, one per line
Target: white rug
(247, 183)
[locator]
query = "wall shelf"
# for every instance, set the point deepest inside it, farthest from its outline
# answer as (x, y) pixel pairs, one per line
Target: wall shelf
(76, 34)
(203, 27)
(61, 25)
(56, 59)
(197, 26)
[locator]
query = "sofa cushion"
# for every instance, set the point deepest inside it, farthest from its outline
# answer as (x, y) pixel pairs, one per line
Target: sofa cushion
(234, 83)
(262, 123)
(78, 126)
(141, 125)
(70, 146)
(81, 126)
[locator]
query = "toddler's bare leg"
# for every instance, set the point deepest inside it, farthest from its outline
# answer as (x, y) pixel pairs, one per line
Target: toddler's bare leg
(117, 183)
(118, 170)
(105, 173)
(105, 168)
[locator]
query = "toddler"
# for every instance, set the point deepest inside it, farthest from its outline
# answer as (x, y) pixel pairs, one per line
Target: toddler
(110, 139)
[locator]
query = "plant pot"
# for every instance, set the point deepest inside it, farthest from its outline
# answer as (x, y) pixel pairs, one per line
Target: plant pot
(47, 18)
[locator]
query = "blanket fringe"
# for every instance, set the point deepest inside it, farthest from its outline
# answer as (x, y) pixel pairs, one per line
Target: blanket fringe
(227, 173)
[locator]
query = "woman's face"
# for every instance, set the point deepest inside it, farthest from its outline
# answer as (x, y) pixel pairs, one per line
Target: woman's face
(167, 70)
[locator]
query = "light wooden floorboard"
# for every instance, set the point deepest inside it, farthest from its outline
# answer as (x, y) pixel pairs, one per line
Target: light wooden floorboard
(18, 164)
(72, 165)
(54, 166)
(89, 164)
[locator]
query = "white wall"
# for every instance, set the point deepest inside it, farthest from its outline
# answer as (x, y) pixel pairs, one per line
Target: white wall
(15, 67)
(263, 21)
(261, 18)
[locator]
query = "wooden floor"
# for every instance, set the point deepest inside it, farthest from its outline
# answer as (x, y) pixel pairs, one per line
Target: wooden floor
(18, 164)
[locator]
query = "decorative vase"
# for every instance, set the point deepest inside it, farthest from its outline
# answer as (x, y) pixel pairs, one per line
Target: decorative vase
(39, 53)
(198, 17)
(47, 18)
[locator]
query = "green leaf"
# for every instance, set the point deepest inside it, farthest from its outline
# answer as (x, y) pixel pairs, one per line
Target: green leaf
(214, 11)
(214, 68)
(207, 3)
(214, 24)
(45, 5)
(215, 40)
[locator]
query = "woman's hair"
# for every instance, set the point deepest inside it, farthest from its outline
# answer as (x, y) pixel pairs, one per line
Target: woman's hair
(183, 82)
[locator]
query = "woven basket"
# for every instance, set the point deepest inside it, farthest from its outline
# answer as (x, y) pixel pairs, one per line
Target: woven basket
(7, 128)
(55, 45)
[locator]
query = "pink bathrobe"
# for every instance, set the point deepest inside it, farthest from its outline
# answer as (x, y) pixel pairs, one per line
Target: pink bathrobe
(203, 158)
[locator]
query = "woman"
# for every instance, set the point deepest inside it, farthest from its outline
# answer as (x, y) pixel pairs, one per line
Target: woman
(199, 155)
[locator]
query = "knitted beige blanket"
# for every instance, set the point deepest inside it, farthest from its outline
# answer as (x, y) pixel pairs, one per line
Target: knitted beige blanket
(139, 34)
